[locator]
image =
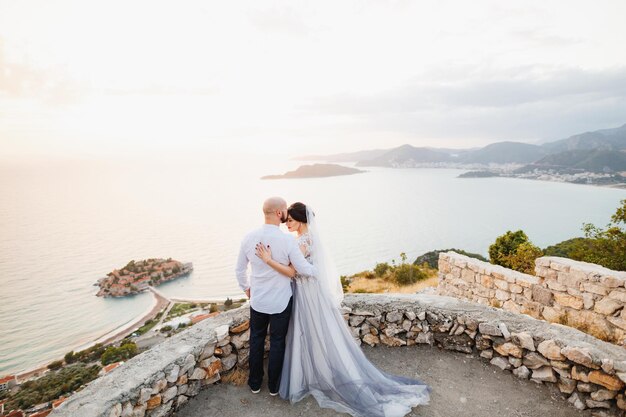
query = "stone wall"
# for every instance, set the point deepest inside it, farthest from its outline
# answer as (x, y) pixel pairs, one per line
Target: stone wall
(157, 382)
(578, 294)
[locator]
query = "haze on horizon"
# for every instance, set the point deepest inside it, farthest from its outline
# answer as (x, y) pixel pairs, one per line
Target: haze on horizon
(97, 79)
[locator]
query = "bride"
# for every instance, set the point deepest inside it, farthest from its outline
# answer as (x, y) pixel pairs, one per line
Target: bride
(321, 358)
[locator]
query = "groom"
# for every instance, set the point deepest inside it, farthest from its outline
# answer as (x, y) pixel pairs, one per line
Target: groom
(269, 292)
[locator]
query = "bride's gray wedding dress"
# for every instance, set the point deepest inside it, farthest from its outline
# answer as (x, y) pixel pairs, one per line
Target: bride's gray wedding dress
(322, 359)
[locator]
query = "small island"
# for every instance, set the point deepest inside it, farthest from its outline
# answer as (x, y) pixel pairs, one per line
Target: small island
(137, 276)
(315, 171)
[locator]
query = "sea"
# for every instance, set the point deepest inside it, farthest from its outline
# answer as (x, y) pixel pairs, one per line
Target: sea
(63, 226)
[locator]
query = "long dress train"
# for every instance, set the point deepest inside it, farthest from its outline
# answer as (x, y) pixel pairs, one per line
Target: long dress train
(322, 359)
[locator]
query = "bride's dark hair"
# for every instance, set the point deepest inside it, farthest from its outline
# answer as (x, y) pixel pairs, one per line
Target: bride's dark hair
(297, 211)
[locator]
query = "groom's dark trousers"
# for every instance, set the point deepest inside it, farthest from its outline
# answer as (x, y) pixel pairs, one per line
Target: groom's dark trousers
(278, 324)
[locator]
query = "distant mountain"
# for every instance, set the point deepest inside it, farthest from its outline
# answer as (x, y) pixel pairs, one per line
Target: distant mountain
(605, 139)
(406, 156)
(344, 157)
(497, 153)
(315, 171)
(505, 153)
(595, 160)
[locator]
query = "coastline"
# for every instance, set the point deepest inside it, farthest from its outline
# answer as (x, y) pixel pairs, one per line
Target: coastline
(159, 303)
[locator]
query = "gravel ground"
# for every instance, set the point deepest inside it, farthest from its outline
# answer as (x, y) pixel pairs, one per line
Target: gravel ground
(462, 385)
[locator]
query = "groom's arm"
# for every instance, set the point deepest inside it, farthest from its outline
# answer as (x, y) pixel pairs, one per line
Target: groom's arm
(241, 270)
(298, 260)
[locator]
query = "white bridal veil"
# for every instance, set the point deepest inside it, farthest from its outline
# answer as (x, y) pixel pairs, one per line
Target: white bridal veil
(326, 271)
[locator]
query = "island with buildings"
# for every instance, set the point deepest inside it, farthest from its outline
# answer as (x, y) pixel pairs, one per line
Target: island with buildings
(137, 276)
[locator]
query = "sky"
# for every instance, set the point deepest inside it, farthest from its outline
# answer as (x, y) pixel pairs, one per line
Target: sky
(91, 79)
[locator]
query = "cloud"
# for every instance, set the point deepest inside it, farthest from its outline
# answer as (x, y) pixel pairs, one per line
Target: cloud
(522, 103)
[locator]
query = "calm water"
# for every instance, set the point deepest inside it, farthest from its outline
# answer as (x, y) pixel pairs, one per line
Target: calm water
(62, 229)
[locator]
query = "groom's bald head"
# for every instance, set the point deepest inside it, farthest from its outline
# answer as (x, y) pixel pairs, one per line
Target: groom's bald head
(275, 210)
(273, 204)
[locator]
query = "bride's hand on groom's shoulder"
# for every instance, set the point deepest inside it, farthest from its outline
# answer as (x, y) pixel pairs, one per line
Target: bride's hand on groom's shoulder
(263, 252)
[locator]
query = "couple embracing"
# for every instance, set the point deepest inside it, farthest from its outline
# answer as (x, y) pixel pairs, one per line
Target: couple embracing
(296, 292)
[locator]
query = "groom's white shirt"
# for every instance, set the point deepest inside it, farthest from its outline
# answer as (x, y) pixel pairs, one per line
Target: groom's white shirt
(269, 290)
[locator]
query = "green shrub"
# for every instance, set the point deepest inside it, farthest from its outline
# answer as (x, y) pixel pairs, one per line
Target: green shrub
(345, 283)
(381, 269)
(513, 250)
(115, 354)
(56, 365)
(51, 386)
(407, 274)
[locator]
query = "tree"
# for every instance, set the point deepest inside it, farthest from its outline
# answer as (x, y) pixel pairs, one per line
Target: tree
(524, 258)
(606, 247)
(513, 250)
(432, 257)
(115, 354)
(381, 269)
(407, 274)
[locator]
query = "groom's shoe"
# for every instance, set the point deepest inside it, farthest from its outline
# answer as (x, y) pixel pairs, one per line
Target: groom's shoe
(255, 391)
(273, 394)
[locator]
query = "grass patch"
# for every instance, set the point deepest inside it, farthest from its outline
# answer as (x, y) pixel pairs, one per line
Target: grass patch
(237, 377)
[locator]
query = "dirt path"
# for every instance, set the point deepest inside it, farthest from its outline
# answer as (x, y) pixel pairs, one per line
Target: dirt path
(463, 385)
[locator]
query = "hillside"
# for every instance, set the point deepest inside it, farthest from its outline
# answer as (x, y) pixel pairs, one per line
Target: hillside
(345, 157)
(605, 139)
(505, 153)
(582, 160)
(407, 156)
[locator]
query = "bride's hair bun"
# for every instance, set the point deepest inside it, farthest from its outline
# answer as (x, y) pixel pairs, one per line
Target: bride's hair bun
(297, 211)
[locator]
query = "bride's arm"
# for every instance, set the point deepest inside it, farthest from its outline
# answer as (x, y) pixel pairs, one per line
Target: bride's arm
(265, 253)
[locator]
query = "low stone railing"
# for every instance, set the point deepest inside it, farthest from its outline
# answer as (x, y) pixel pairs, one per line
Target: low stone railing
(157, 382)
(588, 297)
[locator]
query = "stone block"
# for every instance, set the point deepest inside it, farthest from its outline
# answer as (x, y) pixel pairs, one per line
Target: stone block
(371, 340)
(489, 329)
(503, 295)
(578, 355)
(610, 382)
(594, 288)
(501, 363)
(542, 295)
(554, 285)
(522, 372)
(487, 354)
(619, 295)
(603, 395)
(550, 350)
(579, 374)
(608, 306)
(567, 385)
(567, 300)
(534, 360)
(486, 281)
(523, 340)
(153, 402)
(392, 341)
(241, 328)
(544, 374)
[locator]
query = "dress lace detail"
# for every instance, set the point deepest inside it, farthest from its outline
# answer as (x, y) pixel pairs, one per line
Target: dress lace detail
(304, 241)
